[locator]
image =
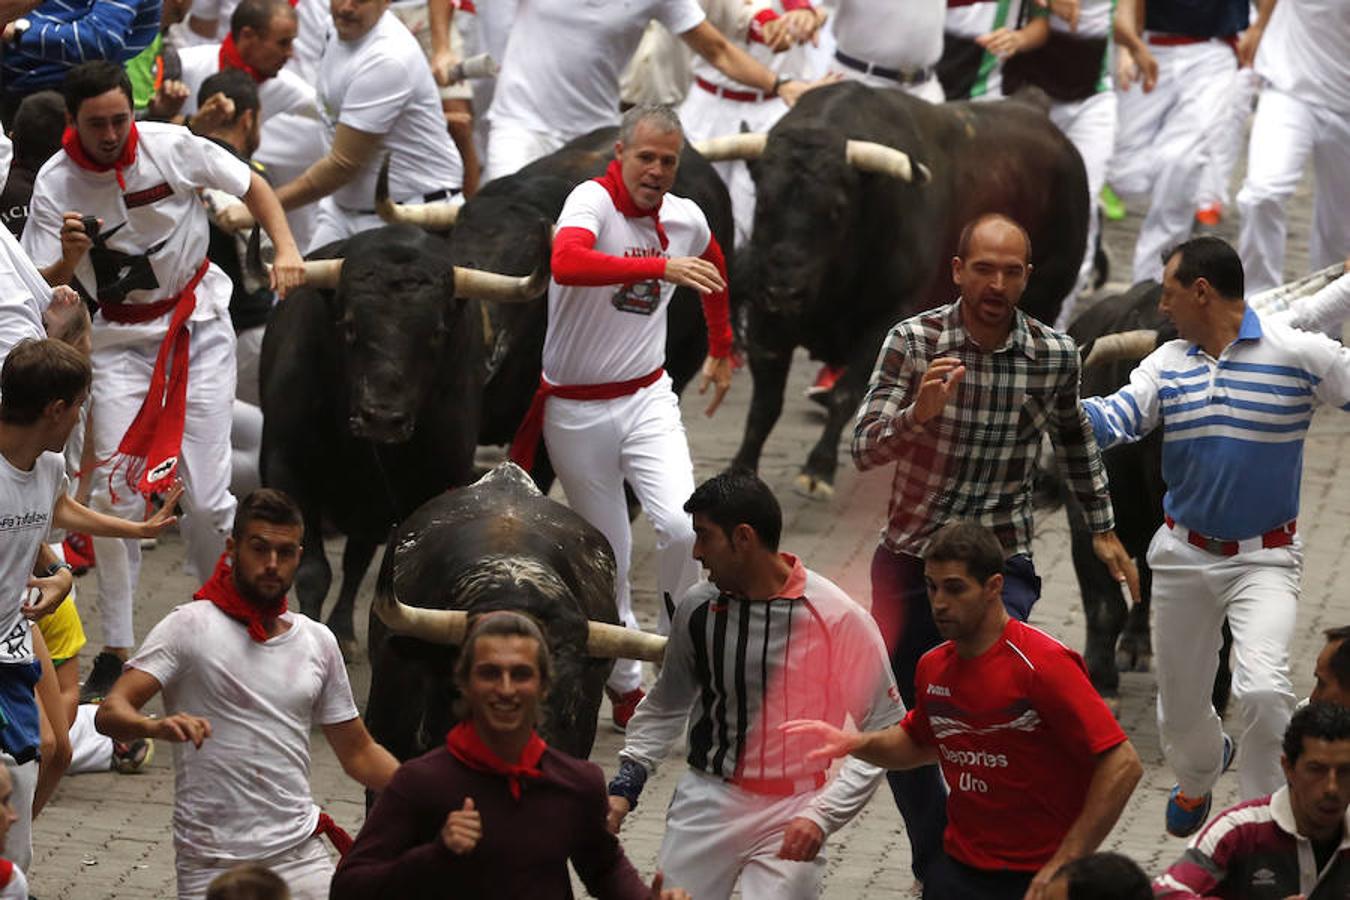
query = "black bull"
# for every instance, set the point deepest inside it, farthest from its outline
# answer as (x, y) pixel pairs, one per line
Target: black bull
(498, 544)
(840, 254)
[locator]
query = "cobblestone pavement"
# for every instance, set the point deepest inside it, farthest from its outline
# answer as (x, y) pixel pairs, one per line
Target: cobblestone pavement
(108, 835)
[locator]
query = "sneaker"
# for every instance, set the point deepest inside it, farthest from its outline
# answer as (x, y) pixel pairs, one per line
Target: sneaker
(1112, 206)
(1185, 814)
(826, 379)
(624, 706)
(128, 759)
(78, 549)
(107, 669)
(1210, 215)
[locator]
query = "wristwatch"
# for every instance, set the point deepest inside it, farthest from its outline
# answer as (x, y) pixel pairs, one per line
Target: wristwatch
(778, 83)
(20, 26)
(57, 567)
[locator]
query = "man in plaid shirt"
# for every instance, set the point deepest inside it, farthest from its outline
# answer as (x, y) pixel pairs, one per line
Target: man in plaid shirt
(959, 399)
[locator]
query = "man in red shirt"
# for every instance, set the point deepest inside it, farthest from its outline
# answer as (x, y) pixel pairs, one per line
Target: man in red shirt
(1039, 770)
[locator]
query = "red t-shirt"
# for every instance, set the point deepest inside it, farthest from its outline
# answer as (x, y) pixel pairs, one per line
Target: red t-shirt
(1018, 730)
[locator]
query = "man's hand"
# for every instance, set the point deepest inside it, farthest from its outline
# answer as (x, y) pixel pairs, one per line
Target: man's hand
(288, 271)
(180, 728)
(75, 241)
(776, 35)
(716, 372)
(672, 894)
(801, 840)
(61, 309)
(215, 113)
(167, 101)
(1066, 9)
(938, 384)
(52, 589)
(463, 829)
(1041, 882)
(1248, 43)
(235, 217)
(441, 65)
(619, 807)
(163, 516)
(805, 24)
(833, 742)
(1002, 42)
(791, 91)
(1112, 553)
(693, 272)
(1136, 66)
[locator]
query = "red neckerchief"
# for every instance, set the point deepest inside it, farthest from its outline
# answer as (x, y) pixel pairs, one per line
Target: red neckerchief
(465, 745)
(612, 181)
(222, 591)
(230, 59)
(70, 142)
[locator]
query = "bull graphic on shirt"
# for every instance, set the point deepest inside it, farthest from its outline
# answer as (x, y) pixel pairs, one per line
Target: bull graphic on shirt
(642, 297)
(117, 274)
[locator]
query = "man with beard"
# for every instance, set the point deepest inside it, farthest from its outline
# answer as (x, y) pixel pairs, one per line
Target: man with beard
(244, 680)
(959, 400)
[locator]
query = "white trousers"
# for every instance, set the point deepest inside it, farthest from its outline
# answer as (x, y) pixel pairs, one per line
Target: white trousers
(19, 841)
(1091, 125)
(1285, 132)
(333, 223)
(246, 448)
(1192, 593)
(307, 870)
(512, 147)
(717, 833)
(1160, 145)
(707, 115)
(595, 445)
(121, 380)
(1221, 150)
(89, 750)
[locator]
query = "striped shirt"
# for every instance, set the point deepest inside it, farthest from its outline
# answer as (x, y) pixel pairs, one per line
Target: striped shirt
(736, 669)
(1253, 851)
(975, 461)
(1233, 427)
(65, 33)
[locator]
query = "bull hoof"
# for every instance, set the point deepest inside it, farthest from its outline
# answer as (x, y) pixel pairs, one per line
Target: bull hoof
(1131, 658)
(813, 488)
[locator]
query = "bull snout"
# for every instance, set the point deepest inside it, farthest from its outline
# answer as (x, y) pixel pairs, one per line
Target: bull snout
(381, 426)
(782, 299)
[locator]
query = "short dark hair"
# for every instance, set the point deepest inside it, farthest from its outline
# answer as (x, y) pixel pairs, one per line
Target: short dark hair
(1323, 721)
(37, 373)
(1340, 660)
(94, 79)
(248, 881)
(1211, 258)
(502, 623)
(968, 233)
(1105, 876)
(737, 497)
(235, 84)
(39, 123)
(970, 543)
(258, 15)
(266, 505)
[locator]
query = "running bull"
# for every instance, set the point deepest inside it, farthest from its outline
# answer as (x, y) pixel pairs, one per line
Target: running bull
(371, 381)
(862, 197)
(504, 229)
(498, 544)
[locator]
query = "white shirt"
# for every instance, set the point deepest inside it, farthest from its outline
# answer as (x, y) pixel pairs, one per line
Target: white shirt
(24, 294)
(245, 794)
(157, 222)
(284, 93)
(26, 502)
(315, 21)
(895, 34)
(598, 335)
(382, 84)
(560, 75)
(1305, 52)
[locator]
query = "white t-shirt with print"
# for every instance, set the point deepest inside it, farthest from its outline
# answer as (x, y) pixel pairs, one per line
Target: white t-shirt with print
(381, 84)
(26, 502)
(245, 794)
(598, 335)
(284, 93)
(154, 233)
(563, 59)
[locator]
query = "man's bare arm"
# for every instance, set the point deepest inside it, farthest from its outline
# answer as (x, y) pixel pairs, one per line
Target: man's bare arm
(890, 748)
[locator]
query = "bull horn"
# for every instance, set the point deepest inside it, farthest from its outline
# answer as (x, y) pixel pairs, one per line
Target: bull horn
(747, 145)
(449, 626)
(869, 156)
(1123, 345)
(319, 273)
(475, 284)
(431, 216)
(1280, 298)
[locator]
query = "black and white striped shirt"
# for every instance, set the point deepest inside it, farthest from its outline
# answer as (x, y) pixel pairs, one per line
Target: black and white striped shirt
(736, 669)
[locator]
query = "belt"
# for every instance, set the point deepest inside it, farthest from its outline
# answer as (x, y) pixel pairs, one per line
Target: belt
(1282, 536)
(433, 197)
(531, 428)
(729, 93)
(900, 76)
(137, 313)
(1185, 40)
(779, 787)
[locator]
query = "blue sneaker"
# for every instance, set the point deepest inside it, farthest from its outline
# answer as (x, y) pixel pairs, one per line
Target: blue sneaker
(1185, 814)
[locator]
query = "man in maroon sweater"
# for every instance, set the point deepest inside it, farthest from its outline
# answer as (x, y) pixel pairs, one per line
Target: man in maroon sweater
(496, 812)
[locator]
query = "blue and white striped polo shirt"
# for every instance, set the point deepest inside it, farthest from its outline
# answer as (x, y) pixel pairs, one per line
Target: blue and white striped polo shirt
(1233, 428)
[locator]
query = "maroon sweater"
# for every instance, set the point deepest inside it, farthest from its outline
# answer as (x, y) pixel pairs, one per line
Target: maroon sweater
(525, 846)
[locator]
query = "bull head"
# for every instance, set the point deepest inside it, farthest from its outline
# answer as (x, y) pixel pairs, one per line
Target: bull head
(431, 216)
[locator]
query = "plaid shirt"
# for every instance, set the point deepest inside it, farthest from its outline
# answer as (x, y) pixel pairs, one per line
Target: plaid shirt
(974, 461)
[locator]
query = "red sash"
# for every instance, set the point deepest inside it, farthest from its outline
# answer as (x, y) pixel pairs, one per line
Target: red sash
(465, 745)
(531, 429)
(342, 841)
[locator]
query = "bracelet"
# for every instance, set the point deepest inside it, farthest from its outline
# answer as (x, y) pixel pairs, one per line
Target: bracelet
(58, 566)
(629, 782)
(778, 83)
